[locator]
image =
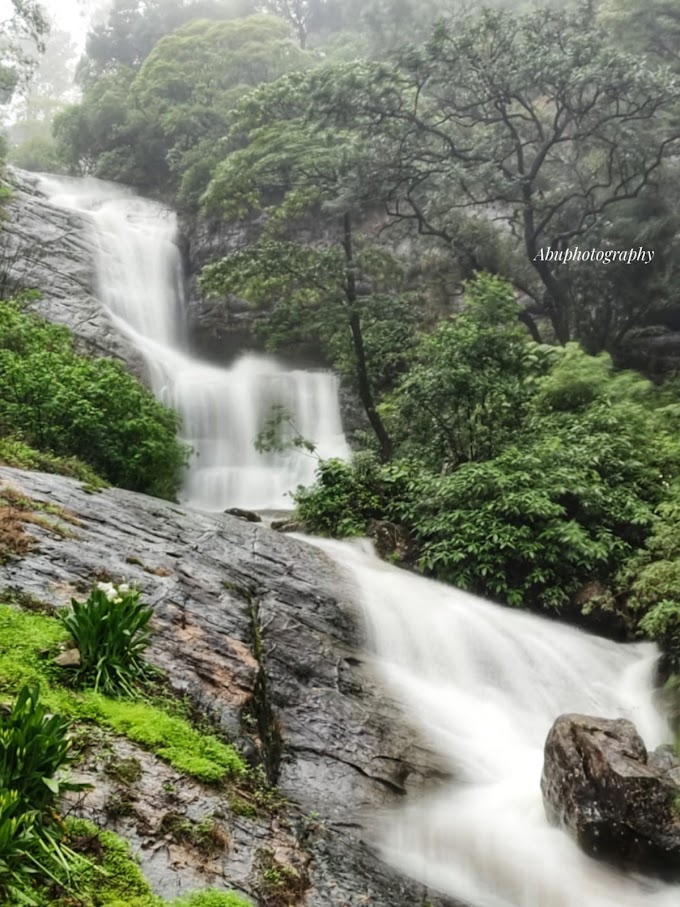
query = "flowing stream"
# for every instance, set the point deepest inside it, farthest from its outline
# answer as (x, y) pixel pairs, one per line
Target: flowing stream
(483, 682)
(139, 278)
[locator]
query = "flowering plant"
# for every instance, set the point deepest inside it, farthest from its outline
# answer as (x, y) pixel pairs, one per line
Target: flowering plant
(111, 631)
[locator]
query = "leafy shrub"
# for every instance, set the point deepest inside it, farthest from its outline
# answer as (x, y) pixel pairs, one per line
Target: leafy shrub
(17, 840)
(71, 405)
(653, 577)
(464, 398)
(570, 501)
(16, 453)
(111, 631)
(347, 495)
(33, 748)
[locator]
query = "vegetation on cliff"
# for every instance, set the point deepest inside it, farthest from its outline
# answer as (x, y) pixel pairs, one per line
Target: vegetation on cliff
(59, 407)
(42, 858)
(387, 194)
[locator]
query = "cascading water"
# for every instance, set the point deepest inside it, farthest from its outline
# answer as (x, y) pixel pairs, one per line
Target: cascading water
(485, 683)
(223, 409)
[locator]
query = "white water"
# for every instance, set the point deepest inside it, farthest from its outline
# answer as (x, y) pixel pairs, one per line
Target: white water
(485, 683)
(223, 409)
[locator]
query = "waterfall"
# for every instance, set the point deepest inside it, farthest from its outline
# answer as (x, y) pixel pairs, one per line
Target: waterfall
(139, 280)
(485, 683)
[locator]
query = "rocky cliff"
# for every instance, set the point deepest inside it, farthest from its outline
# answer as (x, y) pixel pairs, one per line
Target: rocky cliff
(261, 631)
(46, 248)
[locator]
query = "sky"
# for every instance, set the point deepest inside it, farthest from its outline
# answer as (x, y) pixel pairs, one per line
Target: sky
(68, 15)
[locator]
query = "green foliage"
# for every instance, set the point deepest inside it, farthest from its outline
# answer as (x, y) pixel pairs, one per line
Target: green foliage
(107, 136)
(17, 840)
(654, 581)
(548, 479)
(95, 867)
(347, 495)
(105, 873)
(526, 120)
(33, 748)
(471, 381)
(37, 154)
(16, 453)
(111, 632)
(70, 405)
(156, 121)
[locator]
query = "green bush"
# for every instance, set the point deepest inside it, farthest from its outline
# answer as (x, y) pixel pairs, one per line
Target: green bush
(17, 841)
(37, 154)
(571, 500)
(111, 631)
(14, 452)
(71, 405)
(34, 747)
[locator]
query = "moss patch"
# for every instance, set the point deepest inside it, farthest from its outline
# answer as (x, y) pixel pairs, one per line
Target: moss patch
(27, 642)
(106, 874)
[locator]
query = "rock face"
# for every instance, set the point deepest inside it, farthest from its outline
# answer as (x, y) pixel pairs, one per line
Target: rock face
(260, 630)
(614, 798)
(46, 248)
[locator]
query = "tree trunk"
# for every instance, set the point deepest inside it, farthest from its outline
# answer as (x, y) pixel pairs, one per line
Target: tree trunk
(363, 381)
(556, 303)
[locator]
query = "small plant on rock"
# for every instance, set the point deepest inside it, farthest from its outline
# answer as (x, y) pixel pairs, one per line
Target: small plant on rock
(34, 746)
(111, 631)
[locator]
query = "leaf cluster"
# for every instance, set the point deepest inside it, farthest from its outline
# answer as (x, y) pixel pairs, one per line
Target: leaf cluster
(111, 633)
(71, 405)
(34, 746)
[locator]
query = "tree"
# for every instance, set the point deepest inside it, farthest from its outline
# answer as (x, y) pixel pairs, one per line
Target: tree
(287, 168)
(49, 89)
(108, 136)
(22, 38)
(297, 13)
(534, 122)
(159, 128)
(195, 76)
(468, 388)
(651, 27)
(134, 27)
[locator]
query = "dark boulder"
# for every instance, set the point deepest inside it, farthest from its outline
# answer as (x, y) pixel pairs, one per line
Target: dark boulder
(616, 800)
(249, 515)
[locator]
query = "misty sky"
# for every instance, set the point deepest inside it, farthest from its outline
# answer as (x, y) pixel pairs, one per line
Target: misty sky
(69, 15)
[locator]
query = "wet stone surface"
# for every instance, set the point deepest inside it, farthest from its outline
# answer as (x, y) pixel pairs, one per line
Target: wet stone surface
(261, 631)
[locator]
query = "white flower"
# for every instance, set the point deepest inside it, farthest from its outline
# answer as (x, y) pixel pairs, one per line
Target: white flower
(109, 590)
(123, 588)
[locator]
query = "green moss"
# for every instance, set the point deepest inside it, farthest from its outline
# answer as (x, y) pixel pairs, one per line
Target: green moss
(107, 875)
(27, 642)
(212, 898)
(241, 807)
(199, 755)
